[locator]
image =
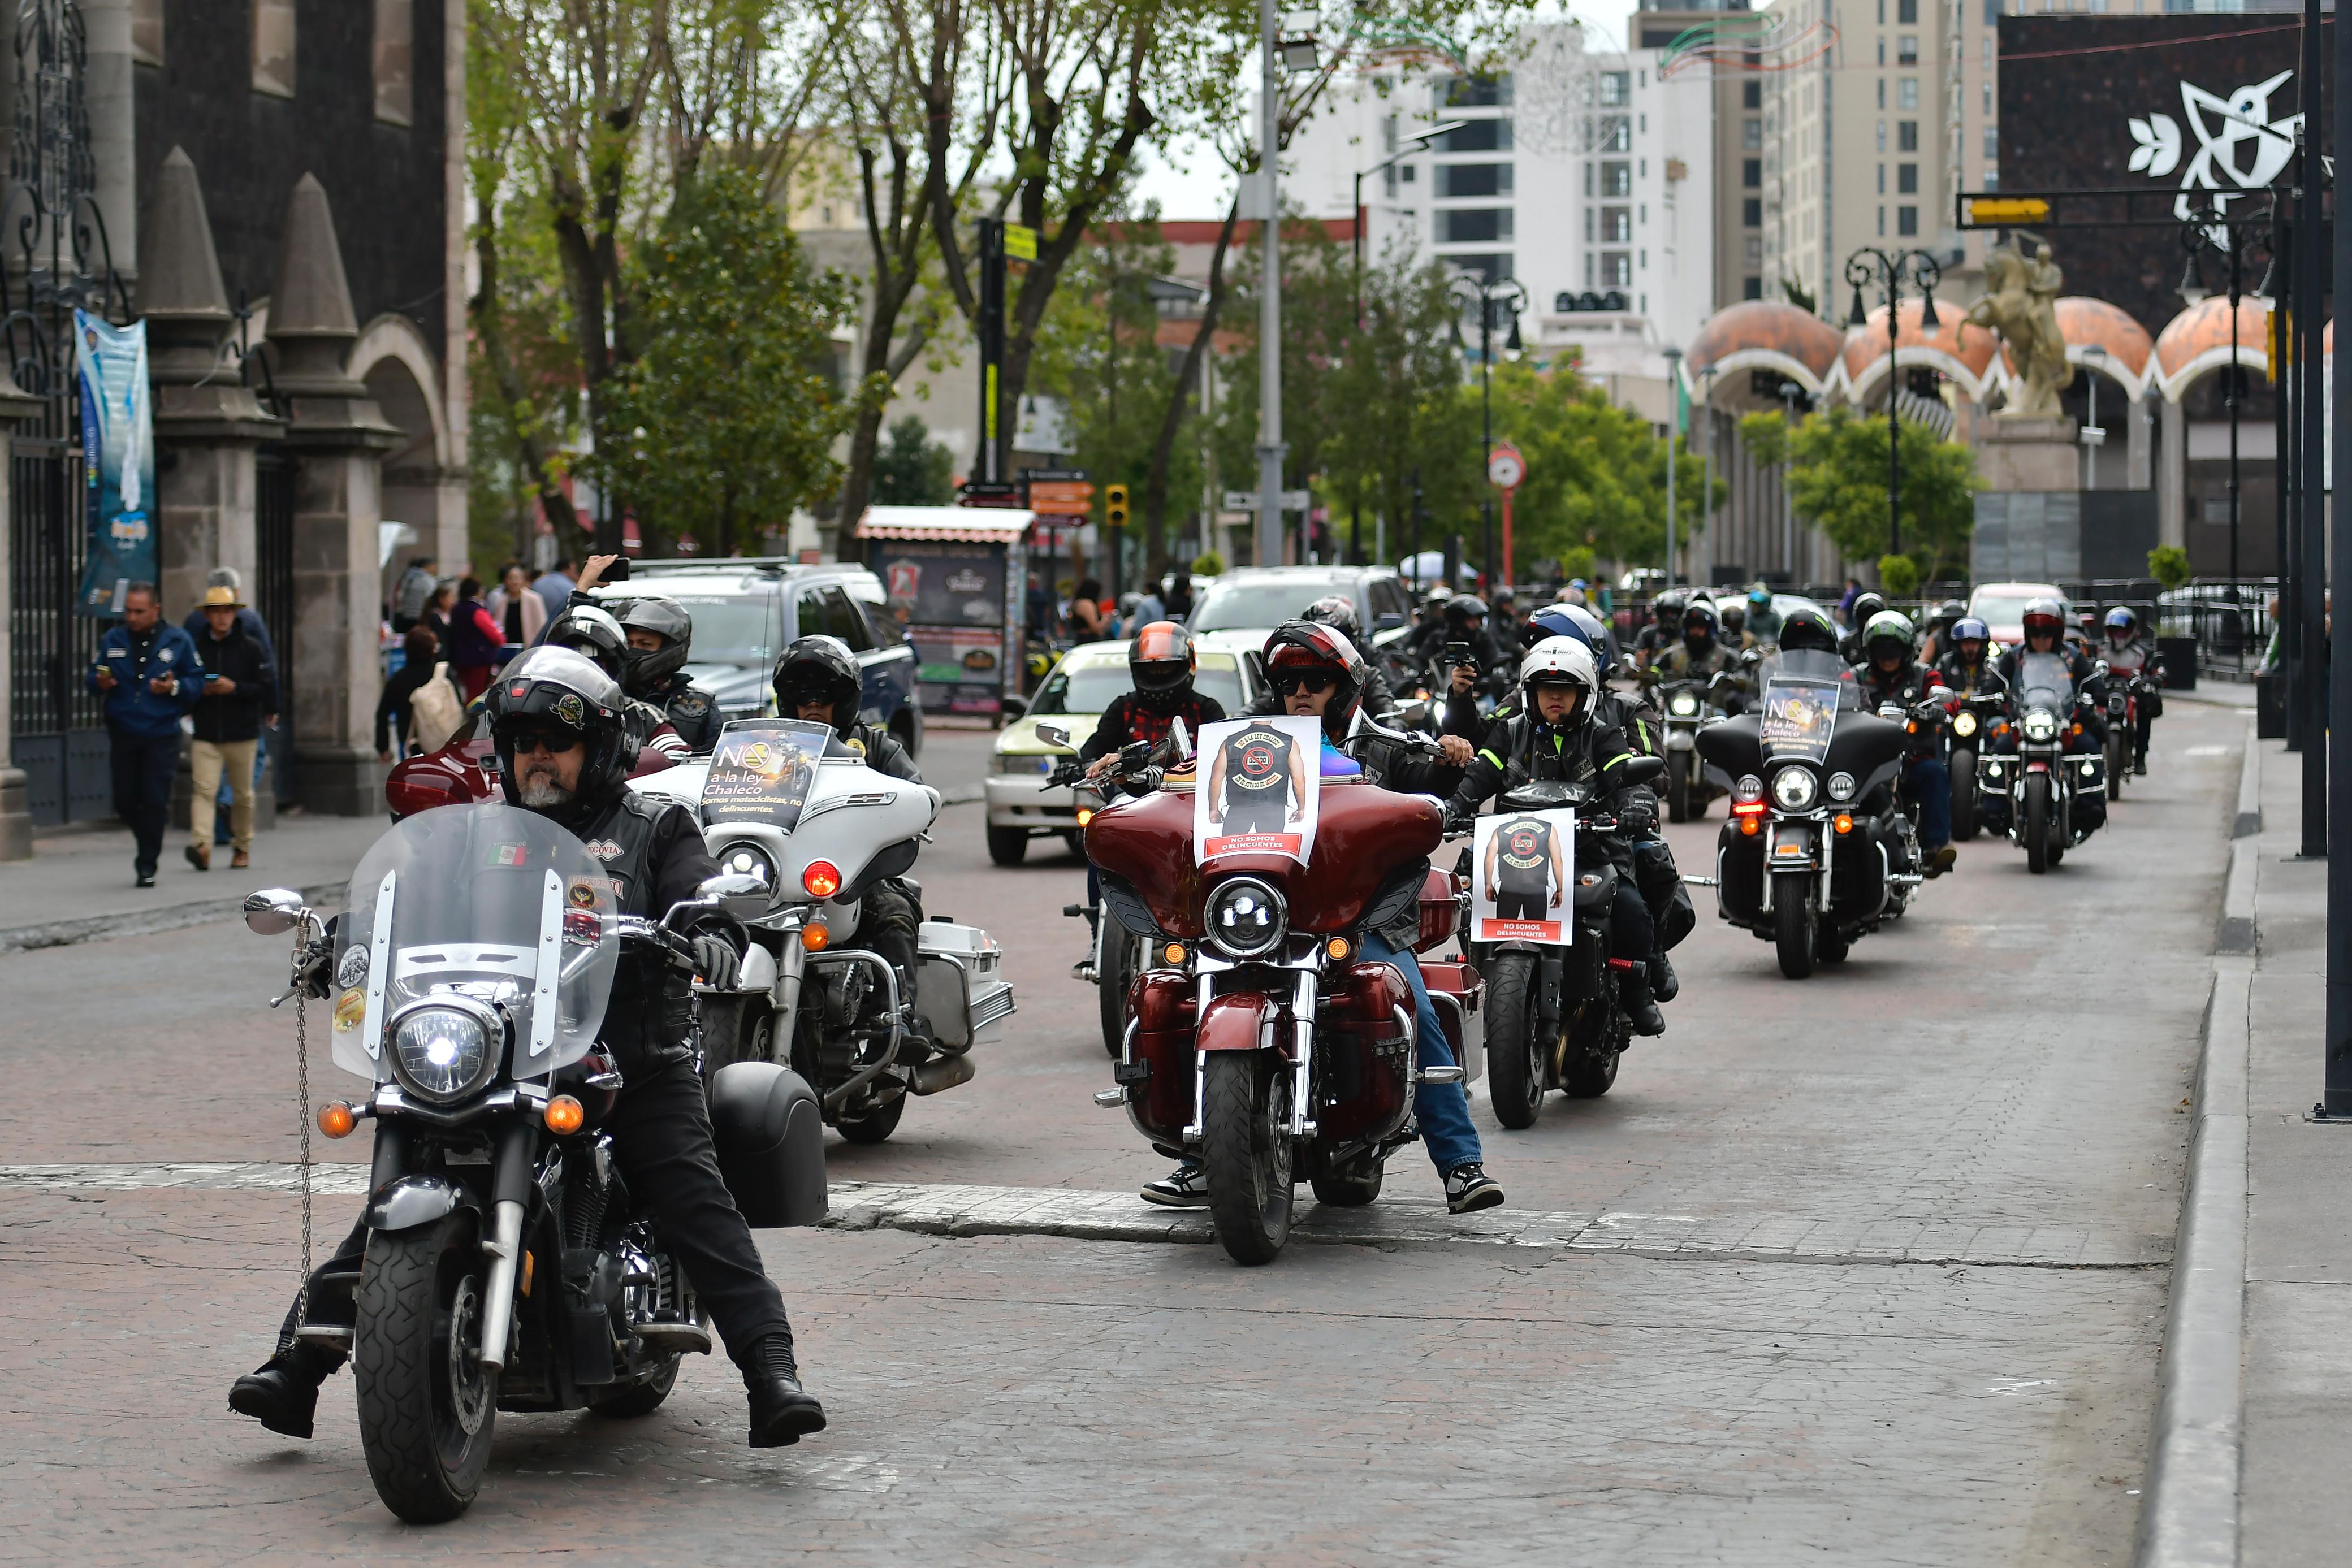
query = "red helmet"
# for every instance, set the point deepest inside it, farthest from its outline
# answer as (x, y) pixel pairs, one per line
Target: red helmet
(1300, 651)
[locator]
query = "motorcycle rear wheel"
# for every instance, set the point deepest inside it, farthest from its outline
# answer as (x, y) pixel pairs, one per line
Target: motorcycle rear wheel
(1515, 1057)
(2035, 829)
(627, 1401)
(1831, 946)
(1591, 1075)
(1008, 846)
(873, 1126)
(1245, 1153)
(1352, 1186)
(427, 1407)
(1964, 794)
(1792, 927)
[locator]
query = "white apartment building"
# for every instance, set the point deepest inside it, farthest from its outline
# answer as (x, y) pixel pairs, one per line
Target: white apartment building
(1576, 171)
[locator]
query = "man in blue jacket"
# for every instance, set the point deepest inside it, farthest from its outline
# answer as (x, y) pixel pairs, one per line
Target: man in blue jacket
(150, 677)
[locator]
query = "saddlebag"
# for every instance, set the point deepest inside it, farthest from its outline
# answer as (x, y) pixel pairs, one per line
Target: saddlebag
(1158, 1071)
(1457, 991)
(1364, 1055)
(770, 1138)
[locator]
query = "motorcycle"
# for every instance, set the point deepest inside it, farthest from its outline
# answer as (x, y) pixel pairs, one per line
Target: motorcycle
(508, 1265)
(1261, 1041)
(1690, 706)
(1816, 852)
(1968, 720)
(2129, 688)
(1553, 1019)
(808, 1000)
(1114, 955)
(2057, 795)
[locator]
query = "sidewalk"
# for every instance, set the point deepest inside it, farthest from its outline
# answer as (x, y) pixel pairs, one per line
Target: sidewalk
(77, 886)
(2256, 1432)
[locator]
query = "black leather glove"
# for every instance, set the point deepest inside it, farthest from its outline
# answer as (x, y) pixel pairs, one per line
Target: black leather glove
(1458, 818)
(1639, 815)
(715, 961)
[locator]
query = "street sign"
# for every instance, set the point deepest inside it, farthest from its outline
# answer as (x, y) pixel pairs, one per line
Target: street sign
(1505, 469)
(989, 493)
(1020, 242)
(1061, 498)
(1246, 500)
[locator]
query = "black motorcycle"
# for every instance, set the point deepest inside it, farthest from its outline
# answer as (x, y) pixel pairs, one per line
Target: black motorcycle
(2051, 774)
(508, 1265)
(1970, 719)
(1553, 1018)
(1818, 850)
(1690, 706)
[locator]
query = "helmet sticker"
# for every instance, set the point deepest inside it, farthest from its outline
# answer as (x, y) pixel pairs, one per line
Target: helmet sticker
(570, 709)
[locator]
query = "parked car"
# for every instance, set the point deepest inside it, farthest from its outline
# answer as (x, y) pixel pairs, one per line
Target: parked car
(745, 611)
(2002, 607)
(1236, 611)
(1020, 807)
(2228, 620)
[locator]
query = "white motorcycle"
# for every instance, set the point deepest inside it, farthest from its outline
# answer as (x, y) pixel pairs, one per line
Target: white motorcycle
(809, 1000)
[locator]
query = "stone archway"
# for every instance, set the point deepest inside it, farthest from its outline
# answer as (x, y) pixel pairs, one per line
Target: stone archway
(423, 485)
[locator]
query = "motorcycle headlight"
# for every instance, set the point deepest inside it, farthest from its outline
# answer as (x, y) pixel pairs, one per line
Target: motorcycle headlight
(750, 859)
(1246, 918)
(1840, 786)
(441, 1049)
(2040, 724)
(1684, 705)
(1794, 788)
(1964, 724)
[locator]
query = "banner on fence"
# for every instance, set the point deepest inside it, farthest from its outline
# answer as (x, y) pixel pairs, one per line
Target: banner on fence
(118, 449)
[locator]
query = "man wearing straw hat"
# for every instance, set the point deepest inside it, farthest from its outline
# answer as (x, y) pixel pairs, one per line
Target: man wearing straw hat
(240, 687)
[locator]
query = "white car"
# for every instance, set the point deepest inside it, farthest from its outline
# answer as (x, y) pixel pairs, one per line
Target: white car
(1238, 612)
(1072, 698)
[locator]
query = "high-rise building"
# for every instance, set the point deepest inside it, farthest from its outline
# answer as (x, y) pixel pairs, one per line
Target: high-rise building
(1665, 29)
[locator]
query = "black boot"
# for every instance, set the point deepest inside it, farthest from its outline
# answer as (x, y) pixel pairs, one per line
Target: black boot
(282, 1393)
(783, 1412)
(1641, 1007)
(1664, 983)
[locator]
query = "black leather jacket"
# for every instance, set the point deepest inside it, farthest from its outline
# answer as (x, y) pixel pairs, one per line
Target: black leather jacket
(690, 709)
(882, 752)
(1520, 748)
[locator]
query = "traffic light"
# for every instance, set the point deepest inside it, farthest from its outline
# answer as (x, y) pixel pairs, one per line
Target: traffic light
(1114, 505)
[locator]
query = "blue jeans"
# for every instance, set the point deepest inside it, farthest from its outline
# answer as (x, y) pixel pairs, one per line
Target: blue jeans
(1930, 783)
(1442, 1109)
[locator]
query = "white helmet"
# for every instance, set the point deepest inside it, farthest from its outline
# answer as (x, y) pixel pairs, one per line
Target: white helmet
(1562, 661)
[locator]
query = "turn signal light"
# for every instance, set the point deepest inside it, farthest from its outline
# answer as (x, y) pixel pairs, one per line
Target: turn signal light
(1750, 826)
(822, 879)
(1085, 815)
(1844, 822)
(335, 1119)
(1173, 955)
(1337, 949)
(815, 937)
(2077, 729)
(565, 1115)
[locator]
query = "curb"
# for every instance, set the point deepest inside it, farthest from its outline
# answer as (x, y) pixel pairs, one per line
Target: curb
(2237, 933)
(2189, 1503)
(141, 922)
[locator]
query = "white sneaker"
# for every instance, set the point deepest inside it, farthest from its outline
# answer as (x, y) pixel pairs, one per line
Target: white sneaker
(1186, 1187)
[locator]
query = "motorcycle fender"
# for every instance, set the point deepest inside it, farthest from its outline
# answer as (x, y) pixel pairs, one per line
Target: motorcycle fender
(1792, 846)
(1681, 739)
(1239, 1020)
(758, 970)
(770, 1138)
(416, 1201)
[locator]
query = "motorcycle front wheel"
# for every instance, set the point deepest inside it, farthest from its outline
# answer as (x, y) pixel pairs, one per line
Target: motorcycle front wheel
(2119, 760)
(1121, 956)
(2036, 825)
(1245, 1152)
(1792, 927)
(1515, 1057)
(1964, 795)
(428, 1405)
(1678, 787)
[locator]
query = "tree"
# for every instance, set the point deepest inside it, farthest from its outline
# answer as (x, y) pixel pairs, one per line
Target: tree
(1596, 473)
(1837, 478)
(725, 420)
(913, 470)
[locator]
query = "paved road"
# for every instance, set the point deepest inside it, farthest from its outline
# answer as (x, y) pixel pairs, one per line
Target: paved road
(1695, 1350)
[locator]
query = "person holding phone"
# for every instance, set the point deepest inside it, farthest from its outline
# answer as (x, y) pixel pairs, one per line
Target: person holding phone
(149, 674)
(239, 686)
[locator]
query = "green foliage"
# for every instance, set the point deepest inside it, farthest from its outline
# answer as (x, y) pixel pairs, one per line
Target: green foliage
(1803, 298)
(1579, 560)
(1596, 473)
(2168, 564)
(1837, 478)
(1766, 437)
(1208, 563)
(725, 419)
(1898, 575)
(913, 470)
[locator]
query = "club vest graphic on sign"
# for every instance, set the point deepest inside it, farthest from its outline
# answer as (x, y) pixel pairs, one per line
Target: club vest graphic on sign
(761, 771)
(1260, 780)
(1522, 872)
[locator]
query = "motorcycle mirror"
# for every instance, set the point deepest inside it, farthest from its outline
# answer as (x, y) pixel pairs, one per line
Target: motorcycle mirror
(740, 894)
(1054, 735)
(1642, 769)
(1179, 737)
(273, 911)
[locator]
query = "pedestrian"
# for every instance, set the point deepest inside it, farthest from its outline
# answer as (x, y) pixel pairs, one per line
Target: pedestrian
(1179, 594)
(554, 587)
(521, 615)
(412, 592)
(1086, 612)
(257, 629)
(437, 610)
(240, 686)
(411, 706)
(1845, 605)
(146, 671)
(475, 639)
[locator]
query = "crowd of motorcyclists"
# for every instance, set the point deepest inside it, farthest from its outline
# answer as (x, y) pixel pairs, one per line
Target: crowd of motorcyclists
(1473, 704)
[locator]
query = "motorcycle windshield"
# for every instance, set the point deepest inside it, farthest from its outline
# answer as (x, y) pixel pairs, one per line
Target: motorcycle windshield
(1803, 692)
(2044, 681)
(487, 902)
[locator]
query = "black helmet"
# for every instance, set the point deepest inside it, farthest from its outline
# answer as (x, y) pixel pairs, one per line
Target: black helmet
(1336, 610)
(1464, 608)
(590, 628)
(1669, 604)
(1699, 618)
(1806, 627)
(1949, 610)
(1865, 606)
(557, 689)
(1735, 616)
(1306, 647)
(1160, 661)
(820, 669)
(666, 618)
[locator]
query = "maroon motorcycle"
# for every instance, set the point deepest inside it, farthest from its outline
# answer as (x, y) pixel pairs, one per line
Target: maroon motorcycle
(1259, 1039)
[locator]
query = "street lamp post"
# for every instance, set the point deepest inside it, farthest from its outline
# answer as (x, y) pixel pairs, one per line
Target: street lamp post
(1405, 149)
(1508, 293)
(1268, 545)
(1674, 369)
(1871, 266)
(2238, 239)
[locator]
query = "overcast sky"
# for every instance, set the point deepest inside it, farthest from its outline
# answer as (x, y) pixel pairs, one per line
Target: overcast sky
(1195, 183)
